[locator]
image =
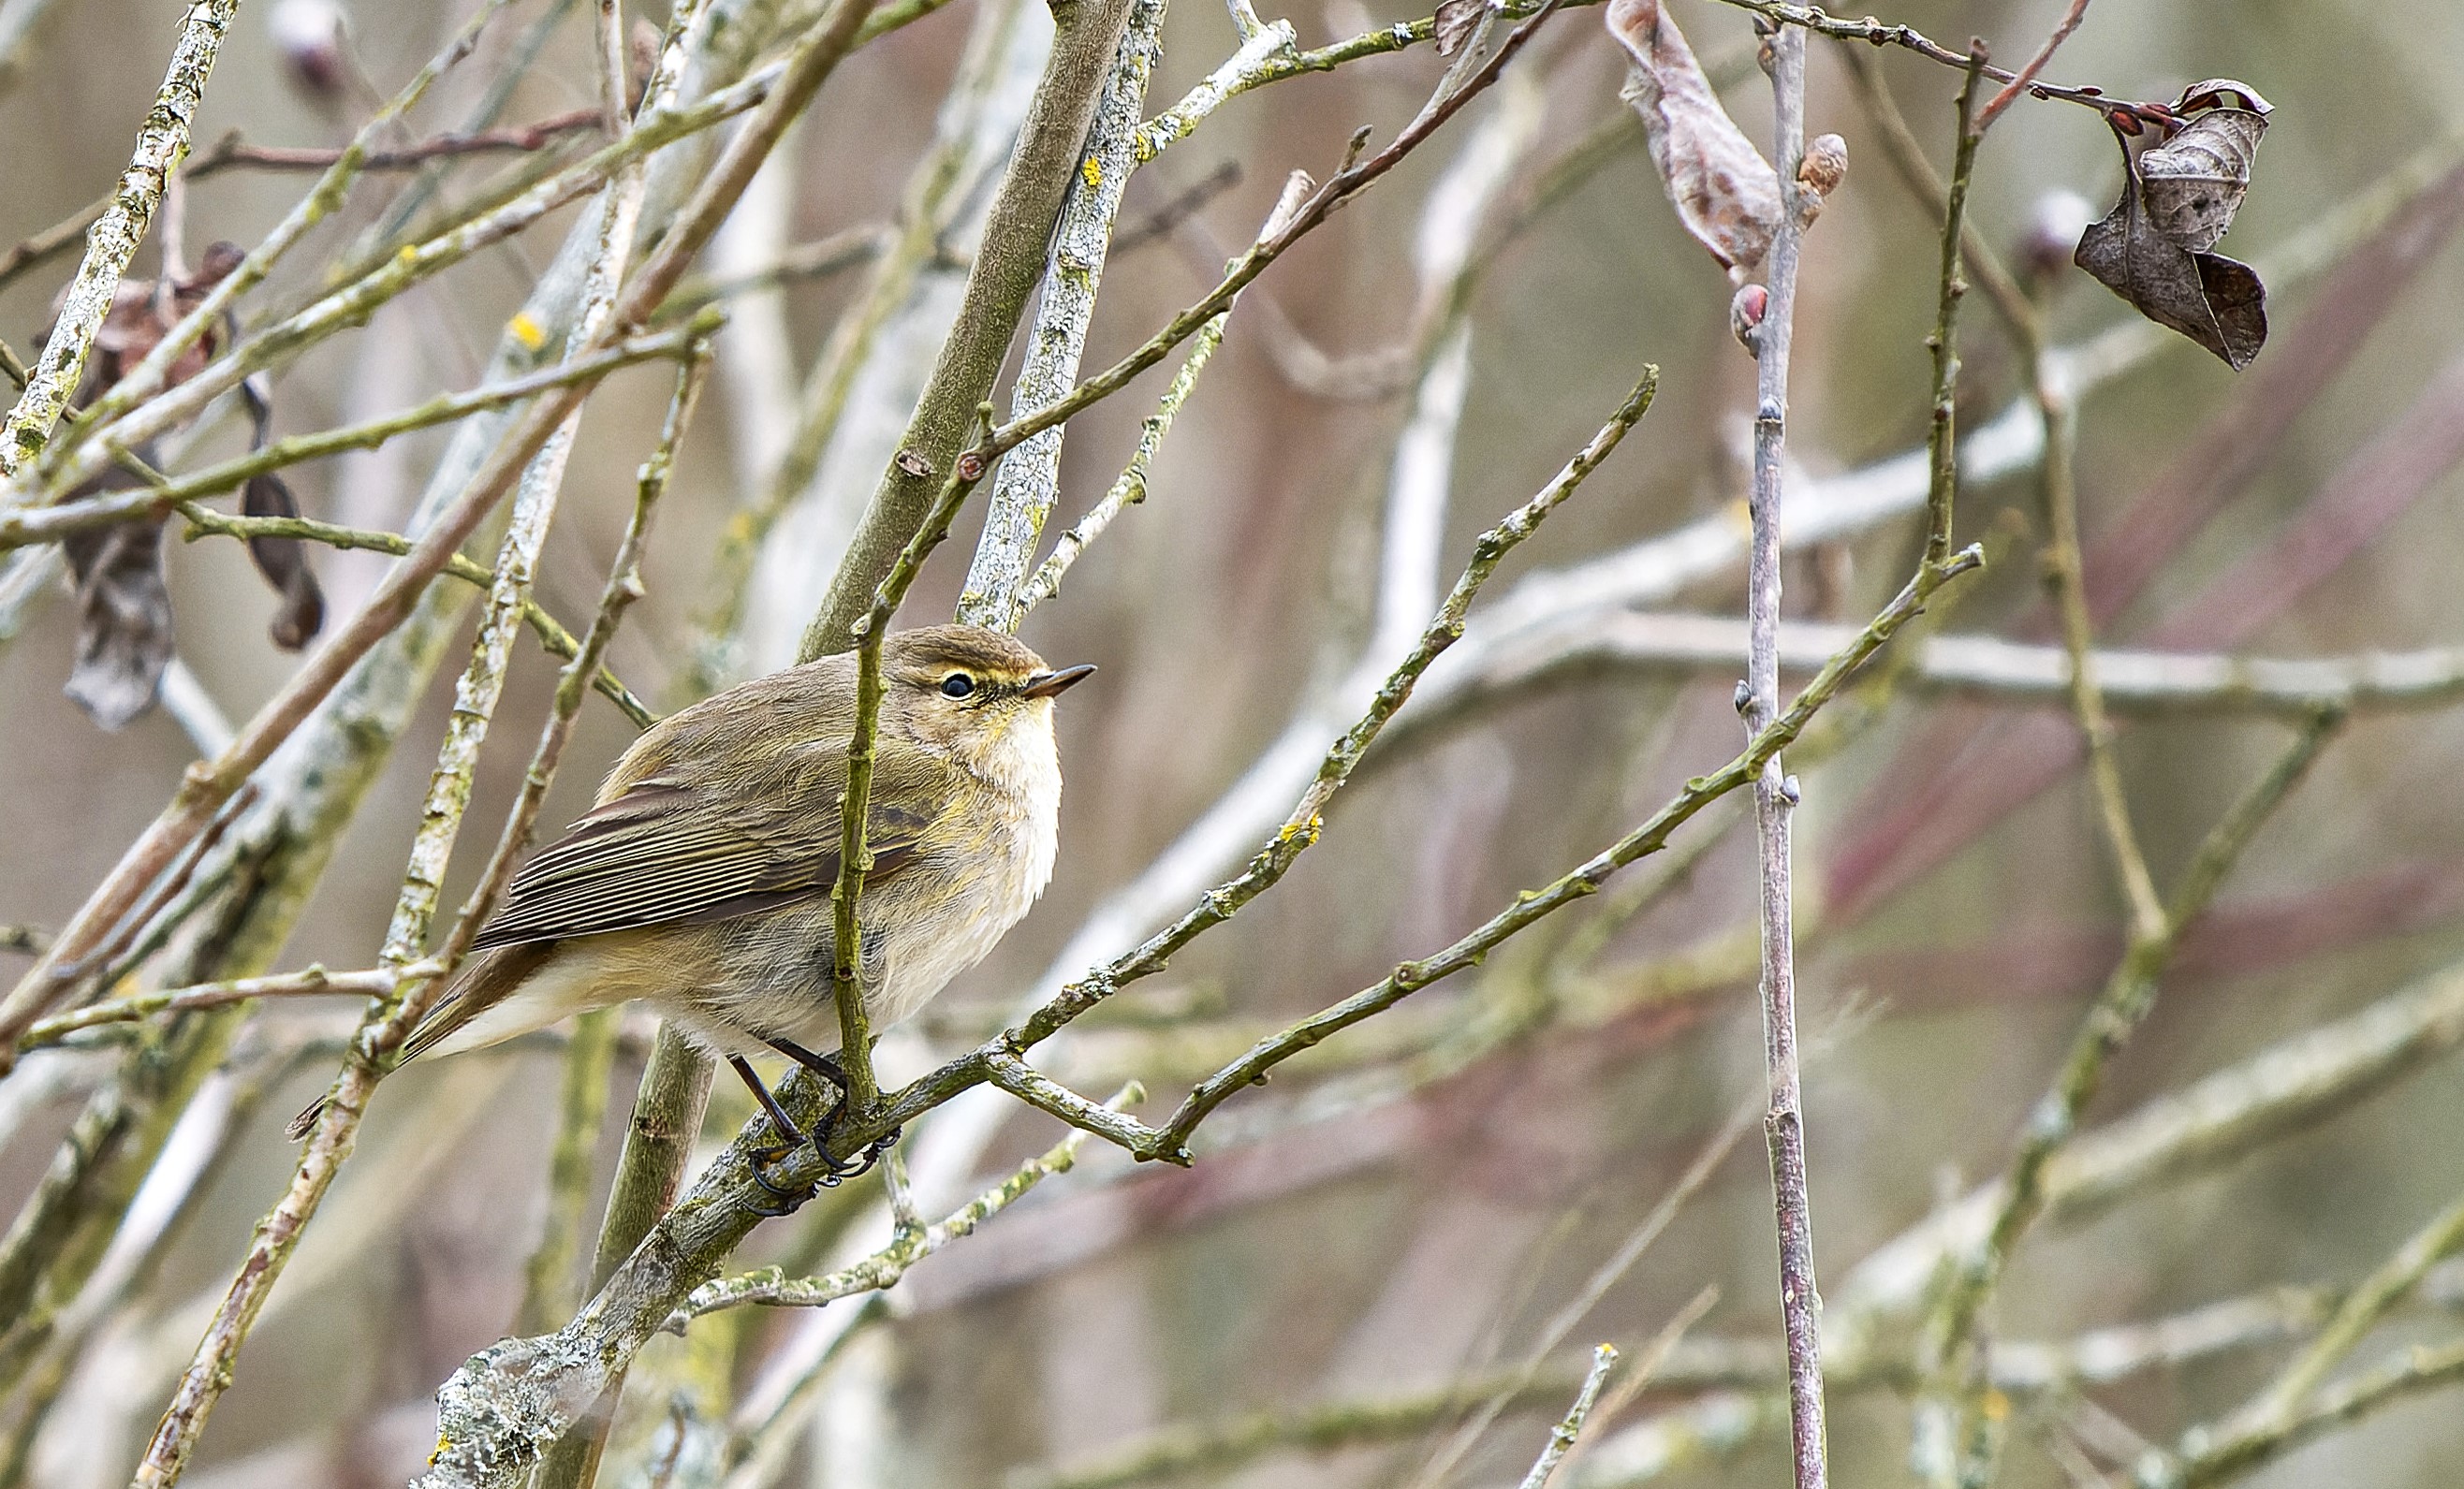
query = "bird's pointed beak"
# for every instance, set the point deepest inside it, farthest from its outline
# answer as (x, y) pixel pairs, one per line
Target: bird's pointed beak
(1049, 684)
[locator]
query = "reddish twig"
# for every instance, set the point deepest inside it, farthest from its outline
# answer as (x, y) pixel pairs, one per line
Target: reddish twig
(231, 153)
(2027, 76)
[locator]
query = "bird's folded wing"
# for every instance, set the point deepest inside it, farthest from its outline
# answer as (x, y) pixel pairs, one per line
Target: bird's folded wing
(680, 848)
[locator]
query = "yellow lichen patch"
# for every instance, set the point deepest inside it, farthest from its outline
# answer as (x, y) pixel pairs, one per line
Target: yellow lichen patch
(1093, 172)
(527, 330)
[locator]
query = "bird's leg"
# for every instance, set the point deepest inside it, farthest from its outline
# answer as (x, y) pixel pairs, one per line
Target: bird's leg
(788, 1134)
(821, 1065)
(828, 1069)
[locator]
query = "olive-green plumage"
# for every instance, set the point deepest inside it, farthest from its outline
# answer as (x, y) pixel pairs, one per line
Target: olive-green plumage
(700, 882)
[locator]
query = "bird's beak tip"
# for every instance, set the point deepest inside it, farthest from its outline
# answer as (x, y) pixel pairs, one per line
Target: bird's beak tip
(1052, 684)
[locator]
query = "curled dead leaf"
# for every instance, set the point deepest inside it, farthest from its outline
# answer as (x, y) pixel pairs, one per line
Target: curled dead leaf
(2213, 300)
(1725, 193)
(284, 563)
(2229, 93)
(123, 640)
(125, 632)
(2193, 184)
(1456, 20)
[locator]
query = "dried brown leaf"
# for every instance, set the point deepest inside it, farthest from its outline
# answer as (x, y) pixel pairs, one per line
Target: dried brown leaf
(2212, 299)
(2229, 93)
(2193, 182)
(1456, 21)
(1725, 193)
(284, 563)
(124, 638)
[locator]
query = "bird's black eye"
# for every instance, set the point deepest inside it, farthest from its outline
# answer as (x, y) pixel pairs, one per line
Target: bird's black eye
(958, 685)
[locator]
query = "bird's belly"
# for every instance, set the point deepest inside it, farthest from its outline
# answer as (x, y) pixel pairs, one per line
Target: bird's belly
(773, 980)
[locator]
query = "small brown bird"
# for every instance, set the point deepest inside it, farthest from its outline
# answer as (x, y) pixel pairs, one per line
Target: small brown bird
(701, 881)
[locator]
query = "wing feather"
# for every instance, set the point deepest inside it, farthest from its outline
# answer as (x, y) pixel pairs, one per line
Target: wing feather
(679, 848)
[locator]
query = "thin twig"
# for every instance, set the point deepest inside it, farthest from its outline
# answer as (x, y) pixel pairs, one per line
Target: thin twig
(2126, 999)
(2145, 684)
(1775, 793)
(1301, 825)
(374, 982)
(883, 1269)
(1570, 1426)
(1576, 884)
(829, 626)
(1881, 33)
(2273, 1409)
(2021, 80)
(2422, 1368)
(554, 637)
(1028, 482)
(1979, 263)
(231, 152)
(930, 210)
(1942, 455)
(45, 524)
(153, 373)
(1130, 487)
(2065, 577)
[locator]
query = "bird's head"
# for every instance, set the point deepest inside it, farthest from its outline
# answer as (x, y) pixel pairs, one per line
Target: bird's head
(967, 690)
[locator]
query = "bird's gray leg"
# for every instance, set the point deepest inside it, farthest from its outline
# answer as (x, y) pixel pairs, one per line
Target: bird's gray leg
(829, 1070)
(821, 1065)
(789, 1137)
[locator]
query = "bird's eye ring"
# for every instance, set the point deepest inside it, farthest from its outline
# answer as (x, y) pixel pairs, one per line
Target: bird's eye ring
(958, 685)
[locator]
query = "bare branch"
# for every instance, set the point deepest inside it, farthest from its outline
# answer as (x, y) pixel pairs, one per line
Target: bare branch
(113, 240)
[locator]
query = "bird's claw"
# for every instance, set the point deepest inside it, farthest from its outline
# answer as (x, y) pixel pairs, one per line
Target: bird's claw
(835, 1171)
(787, 1197)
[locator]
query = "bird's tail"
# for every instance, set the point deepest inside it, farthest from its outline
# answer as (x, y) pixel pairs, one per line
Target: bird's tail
(480, 983)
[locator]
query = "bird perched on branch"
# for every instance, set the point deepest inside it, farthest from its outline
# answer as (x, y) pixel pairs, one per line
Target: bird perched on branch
(701, 881)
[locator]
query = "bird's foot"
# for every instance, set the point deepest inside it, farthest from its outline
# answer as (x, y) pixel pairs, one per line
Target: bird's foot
(784, 1198)
(836, 1171)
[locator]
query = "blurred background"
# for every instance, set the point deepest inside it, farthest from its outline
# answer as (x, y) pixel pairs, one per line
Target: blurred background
(1415, 1205)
